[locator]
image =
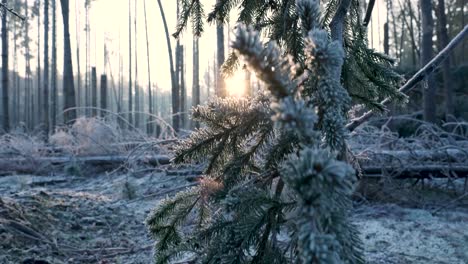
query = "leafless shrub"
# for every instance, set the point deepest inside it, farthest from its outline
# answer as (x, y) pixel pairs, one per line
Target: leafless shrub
(89, 136)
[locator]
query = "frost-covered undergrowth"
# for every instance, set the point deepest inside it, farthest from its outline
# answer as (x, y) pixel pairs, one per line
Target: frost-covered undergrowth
(99, 218)
(394, 234)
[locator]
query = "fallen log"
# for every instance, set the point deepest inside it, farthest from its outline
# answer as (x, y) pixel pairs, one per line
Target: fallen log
(153, 160)
(447, 155)
(31, 165)
(417, 172)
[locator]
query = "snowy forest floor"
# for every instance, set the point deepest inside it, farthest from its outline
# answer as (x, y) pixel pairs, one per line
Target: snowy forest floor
(56, 208)
(99, 218)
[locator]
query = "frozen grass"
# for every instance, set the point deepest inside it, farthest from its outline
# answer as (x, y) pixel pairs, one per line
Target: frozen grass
(448, 144)
(89, 136)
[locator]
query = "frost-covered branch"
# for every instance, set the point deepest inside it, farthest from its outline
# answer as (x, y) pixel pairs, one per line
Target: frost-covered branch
(10, 10)
(418, 77)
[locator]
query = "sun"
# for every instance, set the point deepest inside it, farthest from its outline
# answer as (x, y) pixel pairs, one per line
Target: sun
(235, 84)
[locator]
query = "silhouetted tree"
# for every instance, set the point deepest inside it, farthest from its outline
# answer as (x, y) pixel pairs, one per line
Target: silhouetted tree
(68, 83)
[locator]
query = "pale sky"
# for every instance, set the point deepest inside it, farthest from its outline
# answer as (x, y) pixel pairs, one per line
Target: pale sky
(109, 23)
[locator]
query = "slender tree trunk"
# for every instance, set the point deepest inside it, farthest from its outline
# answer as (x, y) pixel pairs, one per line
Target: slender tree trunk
(175, 94)
(87, 62)
(196, 76)
(215, 74)
(150, 125)
(394, 26)
(413, 41)
(443, 39)
(5, 87)
(410, 26)
(177, 69)
(208, 82)
(120, 97)
(402, 38)
(137, 89)
(386, 39)
(68, 83)
(28, 101)
(45, 95)
(103, 95)
(130, 92)
(94, 91)
(183, 92)
(79, 102)
(247, 80)
(429, 94)
(220, 86)
(54, 65)
(38, 115)
(15, 81)
(177, 74)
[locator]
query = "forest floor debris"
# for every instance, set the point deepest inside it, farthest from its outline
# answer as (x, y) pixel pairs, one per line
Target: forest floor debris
(100, 219)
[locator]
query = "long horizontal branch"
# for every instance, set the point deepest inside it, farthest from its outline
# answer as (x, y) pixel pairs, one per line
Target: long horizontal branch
(418, 77)
(5, 7)
(417, 172)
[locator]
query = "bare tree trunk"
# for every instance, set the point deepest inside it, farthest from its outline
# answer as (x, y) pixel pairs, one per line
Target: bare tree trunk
(175, 94)
(220, 86)
(130, 92)
(183, 91)
(87, 62)
(429, 105)
(137, 89)
(94, 91)
(394, 25)
(402, 38)
(15, 81)
(150, 125)
(208, 81)
(39, 69)
(28, 101)
(414, 50)
(196, 76)
(68, 83)
(103, 95)
(386, 39)
(443, 42)
(45, 99)
(248, 86)
(215, 74)
(54, 65)
(5, 87)
(79, 102)
(120, 96)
